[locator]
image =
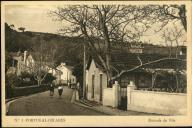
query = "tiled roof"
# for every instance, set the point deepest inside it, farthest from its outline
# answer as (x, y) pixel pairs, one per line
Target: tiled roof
(97, 62)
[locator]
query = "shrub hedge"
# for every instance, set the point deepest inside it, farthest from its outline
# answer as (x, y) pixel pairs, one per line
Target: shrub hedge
(23, 91)
(24, 85)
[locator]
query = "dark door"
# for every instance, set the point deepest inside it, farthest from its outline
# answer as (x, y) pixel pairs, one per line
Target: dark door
(101, 88)
(93, 85)
(124, 81)
(122, 104)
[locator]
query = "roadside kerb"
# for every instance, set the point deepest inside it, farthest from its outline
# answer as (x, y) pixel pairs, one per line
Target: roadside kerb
(10, 101)
(112, 111)
(92, 108)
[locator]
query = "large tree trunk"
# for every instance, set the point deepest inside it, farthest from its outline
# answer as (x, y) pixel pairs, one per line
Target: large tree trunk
(39, 82)
(177, 81)
(154, 76)
(108, 60)
(182, 14)
(170, 51)
(104, 28)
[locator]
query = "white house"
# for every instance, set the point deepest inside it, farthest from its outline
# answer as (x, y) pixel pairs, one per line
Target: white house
(56, 73)
(66, 76)
(96, 81)
(24, 62)
(126, 97)
(27, 62)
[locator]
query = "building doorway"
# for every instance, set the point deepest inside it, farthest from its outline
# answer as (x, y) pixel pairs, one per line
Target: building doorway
(101, 88)
(93, 85)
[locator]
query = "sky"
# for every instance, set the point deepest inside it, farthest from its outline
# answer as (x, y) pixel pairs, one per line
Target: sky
(35, 18)
(32, 18)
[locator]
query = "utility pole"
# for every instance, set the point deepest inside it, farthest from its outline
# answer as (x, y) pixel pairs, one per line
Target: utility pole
(84, 72)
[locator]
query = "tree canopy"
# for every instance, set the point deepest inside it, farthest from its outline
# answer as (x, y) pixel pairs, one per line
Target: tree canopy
(115, 23)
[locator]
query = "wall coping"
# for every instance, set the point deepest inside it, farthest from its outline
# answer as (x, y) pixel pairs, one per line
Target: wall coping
(108, 89)
(183, 94)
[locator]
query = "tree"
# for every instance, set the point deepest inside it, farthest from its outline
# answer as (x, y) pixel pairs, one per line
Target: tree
(49, 78)
(15, 41)
(102, 25)
(8, 61)
(12, 26)
(22, 29)
(78, 72)
(174, 38)
(44, 57)
(168, 13)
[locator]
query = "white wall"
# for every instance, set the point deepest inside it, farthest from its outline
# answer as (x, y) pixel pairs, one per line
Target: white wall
(157, 102)
(66, 74)
(110, 96)
(52, 71)
(30, 61)
(93, 70)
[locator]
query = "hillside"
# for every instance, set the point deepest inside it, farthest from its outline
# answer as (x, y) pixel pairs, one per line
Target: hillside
(68, 49)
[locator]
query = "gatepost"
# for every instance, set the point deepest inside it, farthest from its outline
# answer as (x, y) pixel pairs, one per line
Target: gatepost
(116, 93)
(130, 87)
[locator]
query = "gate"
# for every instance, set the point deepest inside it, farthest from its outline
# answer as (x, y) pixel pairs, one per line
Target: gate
(124, 81)
(122, 98)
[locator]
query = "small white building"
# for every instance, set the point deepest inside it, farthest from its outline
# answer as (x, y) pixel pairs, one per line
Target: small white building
(66, 76)
(27, 62)
(96, 81)
(56, 73)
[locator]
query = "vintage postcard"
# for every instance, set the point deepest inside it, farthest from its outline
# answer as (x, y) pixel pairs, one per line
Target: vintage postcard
(96, 63)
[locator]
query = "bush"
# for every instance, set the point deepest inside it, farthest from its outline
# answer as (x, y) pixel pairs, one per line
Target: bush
(15, 92)
(13, 80)
(49, 78)
(26, 75)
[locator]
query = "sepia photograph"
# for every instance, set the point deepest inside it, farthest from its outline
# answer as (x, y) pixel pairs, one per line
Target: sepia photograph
(113, 63)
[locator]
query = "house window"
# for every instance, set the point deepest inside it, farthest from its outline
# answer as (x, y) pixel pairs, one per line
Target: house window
(183, 50)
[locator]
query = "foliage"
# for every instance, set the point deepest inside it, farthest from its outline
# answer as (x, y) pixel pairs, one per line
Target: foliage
(67, 49)
(26, 75)
(49, 78)
(15, 92)
(21, 29)
(78, 72)
(174, 37)
(115, 23)
(27, 79)
(8, 61)
(15, 41)
(13, 80)
(166, 82)
(167, 13)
